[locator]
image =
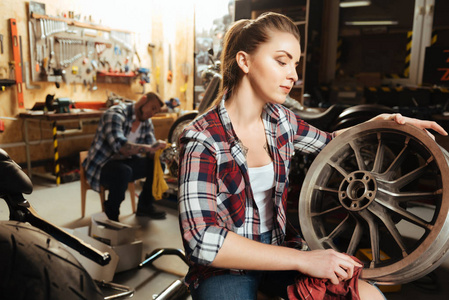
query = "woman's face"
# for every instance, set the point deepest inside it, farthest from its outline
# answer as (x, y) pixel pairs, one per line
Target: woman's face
(272, 67)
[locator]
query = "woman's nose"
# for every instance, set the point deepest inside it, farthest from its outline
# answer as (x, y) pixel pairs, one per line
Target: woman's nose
(293, 74)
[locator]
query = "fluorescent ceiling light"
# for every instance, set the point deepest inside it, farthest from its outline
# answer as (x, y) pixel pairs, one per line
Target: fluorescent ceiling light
(370, 23)
(345, 4)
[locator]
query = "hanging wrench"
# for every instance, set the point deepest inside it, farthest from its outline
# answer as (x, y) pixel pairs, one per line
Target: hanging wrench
(41, 21)
(61, 62)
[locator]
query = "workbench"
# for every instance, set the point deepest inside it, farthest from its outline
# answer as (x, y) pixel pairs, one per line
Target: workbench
(56, 119)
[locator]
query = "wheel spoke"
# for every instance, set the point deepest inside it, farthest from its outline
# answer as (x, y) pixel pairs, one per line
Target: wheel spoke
(374, 237)
(317, 214)
(325, 189)
(355, 239)
(410, 196)
(407, 178)
(405, 214)
(337, 167)
(379, 155)
(394, 166)
(358, 156)
(382, 214)
(339, 229)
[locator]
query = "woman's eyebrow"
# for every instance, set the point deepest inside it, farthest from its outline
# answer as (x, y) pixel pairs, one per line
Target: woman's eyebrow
(288, 55)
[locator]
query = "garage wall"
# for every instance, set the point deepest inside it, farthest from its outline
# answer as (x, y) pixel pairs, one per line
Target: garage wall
(165, 24)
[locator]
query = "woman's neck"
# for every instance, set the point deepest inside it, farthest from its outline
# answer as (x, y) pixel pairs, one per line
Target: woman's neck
(244, 108)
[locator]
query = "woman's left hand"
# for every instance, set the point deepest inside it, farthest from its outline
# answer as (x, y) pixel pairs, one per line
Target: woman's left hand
(422, 124)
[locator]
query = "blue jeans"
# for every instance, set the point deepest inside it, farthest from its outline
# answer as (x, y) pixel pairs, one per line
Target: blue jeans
(115, 176)
(245, 286)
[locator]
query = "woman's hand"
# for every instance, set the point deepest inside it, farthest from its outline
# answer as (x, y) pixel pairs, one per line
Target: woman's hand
(328, 264)
(422, 124)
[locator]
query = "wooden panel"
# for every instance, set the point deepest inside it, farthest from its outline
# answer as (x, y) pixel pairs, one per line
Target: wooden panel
(147, 19)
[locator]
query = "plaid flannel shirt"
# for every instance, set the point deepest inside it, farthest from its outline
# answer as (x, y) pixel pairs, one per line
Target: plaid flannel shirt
(115, 125)
(215, 195)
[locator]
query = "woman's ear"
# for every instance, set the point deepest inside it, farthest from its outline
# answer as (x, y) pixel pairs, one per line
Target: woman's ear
(242, 59)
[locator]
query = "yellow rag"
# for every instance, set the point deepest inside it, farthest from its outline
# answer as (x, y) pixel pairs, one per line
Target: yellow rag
(159, 184)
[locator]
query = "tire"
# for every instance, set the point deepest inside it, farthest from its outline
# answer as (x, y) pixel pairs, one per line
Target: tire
(179, 125)
(35, 266)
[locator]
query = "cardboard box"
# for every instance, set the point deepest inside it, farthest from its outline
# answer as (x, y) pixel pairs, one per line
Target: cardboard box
(110, 232)
(130, 255)
(95, 270)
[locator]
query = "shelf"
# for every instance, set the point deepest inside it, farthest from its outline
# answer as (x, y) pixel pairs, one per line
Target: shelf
(113, 74)
(76, 23)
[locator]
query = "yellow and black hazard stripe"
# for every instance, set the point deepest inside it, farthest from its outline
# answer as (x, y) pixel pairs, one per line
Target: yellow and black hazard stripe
(408, 54)
(56, 154)
(386, 89)
(434, 37)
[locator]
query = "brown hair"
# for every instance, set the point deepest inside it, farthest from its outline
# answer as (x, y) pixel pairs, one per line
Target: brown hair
(152, 95)
(247, 35)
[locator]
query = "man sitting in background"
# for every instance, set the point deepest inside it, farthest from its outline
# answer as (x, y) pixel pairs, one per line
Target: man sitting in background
(122, 151)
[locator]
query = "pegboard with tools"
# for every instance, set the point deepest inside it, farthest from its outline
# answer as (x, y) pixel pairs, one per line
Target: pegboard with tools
(70, 51)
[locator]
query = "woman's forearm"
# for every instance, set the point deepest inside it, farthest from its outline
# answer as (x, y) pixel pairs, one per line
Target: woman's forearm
(241, 253)
(244, 254)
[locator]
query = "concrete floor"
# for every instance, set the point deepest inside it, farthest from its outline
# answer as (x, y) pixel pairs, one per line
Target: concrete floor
(61, 206)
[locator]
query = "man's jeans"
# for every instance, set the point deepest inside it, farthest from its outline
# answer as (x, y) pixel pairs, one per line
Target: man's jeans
(115, 176)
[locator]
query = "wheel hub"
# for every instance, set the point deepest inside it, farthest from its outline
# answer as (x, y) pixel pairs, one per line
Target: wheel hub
(357, 190)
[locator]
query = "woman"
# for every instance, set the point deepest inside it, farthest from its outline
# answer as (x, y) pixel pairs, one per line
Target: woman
(234, 163)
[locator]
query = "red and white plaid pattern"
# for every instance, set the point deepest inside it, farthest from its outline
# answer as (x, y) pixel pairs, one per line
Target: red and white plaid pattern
(215, 195)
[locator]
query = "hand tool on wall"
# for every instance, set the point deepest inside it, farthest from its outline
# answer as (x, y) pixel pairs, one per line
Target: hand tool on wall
(25, 68)
(41, 22)
(52, 53)
(1, 42)
(33, 58)
(17, 64)
(27, 78)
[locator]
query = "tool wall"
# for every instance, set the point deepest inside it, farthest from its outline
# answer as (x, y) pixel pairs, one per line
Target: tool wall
(67, 50)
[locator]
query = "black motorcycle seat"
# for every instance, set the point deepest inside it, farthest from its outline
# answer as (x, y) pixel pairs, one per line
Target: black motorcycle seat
(12, 179)
(318, 117)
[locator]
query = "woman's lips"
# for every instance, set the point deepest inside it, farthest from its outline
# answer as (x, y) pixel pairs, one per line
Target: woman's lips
(286, 89)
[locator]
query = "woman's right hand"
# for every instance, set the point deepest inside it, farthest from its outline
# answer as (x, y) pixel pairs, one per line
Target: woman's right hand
(328, 264)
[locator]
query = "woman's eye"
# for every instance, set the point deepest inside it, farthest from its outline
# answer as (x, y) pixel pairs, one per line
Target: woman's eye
(281, 63)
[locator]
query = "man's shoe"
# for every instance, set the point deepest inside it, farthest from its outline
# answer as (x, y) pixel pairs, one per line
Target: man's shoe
(111, 217)
(151, 213)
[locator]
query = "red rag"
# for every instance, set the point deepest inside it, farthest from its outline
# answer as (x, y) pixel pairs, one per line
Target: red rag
(312, 288)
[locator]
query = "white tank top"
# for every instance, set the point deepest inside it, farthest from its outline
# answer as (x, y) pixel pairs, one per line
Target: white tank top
(132, 136)
(262, 183)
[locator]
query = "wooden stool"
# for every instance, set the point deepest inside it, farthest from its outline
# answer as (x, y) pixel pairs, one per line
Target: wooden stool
(85, 186)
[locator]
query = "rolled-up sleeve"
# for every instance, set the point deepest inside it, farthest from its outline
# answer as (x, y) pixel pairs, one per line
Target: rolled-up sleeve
(113, 130)
(197, 202)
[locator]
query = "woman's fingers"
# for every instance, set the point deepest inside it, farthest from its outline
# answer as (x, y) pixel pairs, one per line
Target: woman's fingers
(329, 264)
(344, 269)
(423, 124)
